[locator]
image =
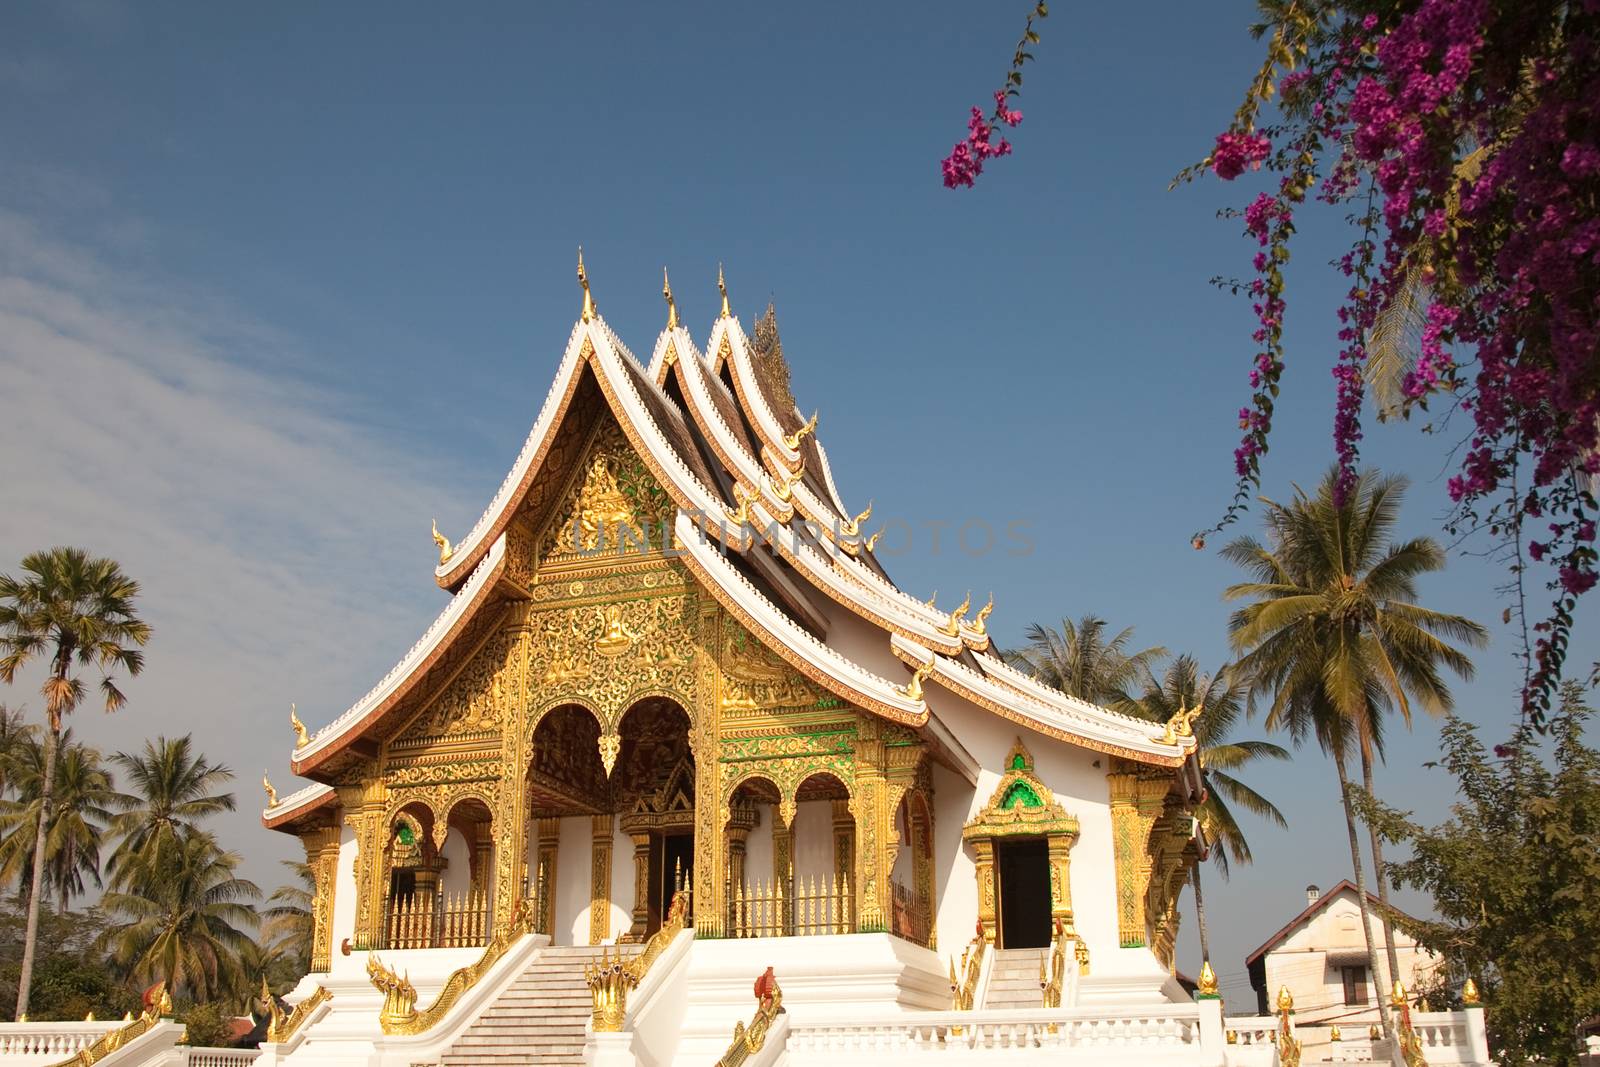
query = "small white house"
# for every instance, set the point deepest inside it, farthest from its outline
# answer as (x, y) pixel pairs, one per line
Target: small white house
(1321, 956)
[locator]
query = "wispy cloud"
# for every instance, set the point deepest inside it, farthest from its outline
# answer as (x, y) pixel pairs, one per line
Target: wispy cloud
(260, 516)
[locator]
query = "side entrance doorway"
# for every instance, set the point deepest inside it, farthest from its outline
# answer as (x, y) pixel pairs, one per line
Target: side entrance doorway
(1024, 875)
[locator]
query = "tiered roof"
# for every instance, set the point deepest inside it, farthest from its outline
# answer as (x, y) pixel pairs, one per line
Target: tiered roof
(722, 435)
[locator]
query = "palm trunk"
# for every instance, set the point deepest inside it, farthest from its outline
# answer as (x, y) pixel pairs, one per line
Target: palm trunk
(1361, 899)
(1379, 875)
(36, 895)
(1200, 913)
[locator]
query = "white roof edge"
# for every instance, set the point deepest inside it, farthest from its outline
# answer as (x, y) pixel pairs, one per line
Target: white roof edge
(1016, 679)
(425, 645)
(823, 658)
(766, 420)
(1104, 728)
(307, 797)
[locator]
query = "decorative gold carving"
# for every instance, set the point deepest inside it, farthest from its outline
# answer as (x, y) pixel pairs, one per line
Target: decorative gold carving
(1055, 979)
(1288, 1045)
(157, 1003)
(1181, 724)
(792, 440)
(322, 858)
(301, 738)
(1207, 985)
(952, 626)
(1136, 803)
(672, 306)
(589, 309)
(445, 549)
(852, 528)
(1469, 993)
(610, 980)
(964, 980)
(748, 1040)
(1411, 1051)
(980, 624)
(872, 542)
(282, 1027)
(399, 995)
(722, 287)
(272, 794)
(1023, 806)
(600, 880)
(912, 690)
(615, 635)
(614, 507)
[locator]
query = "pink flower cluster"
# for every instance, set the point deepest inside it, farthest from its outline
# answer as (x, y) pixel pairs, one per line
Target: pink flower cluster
(1236, 152)
(965, 161)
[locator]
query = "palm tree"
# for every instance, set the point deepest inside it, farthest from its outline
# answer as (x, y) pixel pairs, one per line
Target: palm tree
(288, 924)
(77, 821)
(186, 924)
(1336, 639)
(171, 787)
(79, 610)
(14, 731)
(1222, 696)
(1079, 660)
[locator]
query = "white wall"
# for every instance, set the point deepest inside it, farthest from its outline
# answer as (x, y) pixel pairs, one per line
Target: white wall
(456, 878)
(758, 848)
(621, 883)
(574, 855)
(344, 892)
(813, 841)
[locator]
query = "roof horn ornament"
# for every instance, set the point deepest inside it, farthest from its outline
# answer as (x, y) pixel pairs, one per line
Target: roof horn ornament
(672, 306)
(872, 542)
(744, 498)
(445, 549)
(852, 528)
(722, 287)
(272, 794)
(301, 738)
(783, 491)
(1181, 724)
(912, 690)
(980, 624)
(952, 626)
(792, 440)
(589, 309)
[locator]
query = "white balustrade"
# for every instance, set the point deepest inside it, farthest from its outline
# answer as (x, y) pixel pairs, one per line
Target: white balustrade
(218, 1057)
(40, 1041)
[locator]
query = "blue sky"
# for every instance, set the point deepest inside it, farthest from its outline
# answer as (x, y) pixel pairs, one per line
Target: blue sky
(283, 282)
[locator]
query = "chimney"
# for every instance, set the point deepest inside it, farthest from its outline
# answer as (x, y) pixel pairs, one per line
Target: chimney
(1313, 894)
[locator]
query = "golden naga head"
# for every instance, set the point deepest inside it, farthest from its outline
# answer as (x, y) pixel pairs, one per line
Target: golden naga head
(445, 550)
(672, 306)
(852, 528)
(913, 689)
(272, 794)
(301, 738)
(872, 542)
(952, 626)
(792, 440)
(980, 625)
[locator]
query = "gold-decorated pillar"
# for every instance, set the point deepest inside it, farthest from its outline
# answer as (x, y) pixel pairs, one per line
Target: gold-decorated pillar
(710, 806)
(870, 804)
(322, 858)
(983, 861)
(509, 828)
(600, 880)
(1060, 846)
(641, 888)
(783, 865)
(1136, 803)
(545, 873)
(363, 806)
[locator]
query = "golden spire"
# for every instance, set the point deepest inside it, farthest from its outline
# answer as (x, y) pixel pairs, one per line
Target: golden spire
(1334, 1033)
(589, 310)
(445, 551)
(792, 440)
(952, 626)
(1285, 1000)
(672, 306)
(1208, 980)
(301, 739)
(980, 624)
(1469, 992)
(272, 794)
(913, 688)
(1397, 995)
(722, 287)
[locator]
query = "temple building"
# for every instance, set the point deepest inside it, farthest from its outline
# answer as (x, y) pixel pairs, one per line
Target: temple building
(676, 720)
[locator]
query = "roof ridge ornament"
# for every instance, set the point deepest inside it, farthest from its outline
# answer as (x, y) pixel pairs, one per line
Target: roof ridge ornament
(792, 440)
(852, 527)
(589, 309)
(1181, 724)
(445, 549)
(872, 542)
(913, 689)
(301, 738)
(952, 626)
(980, 624)
(272, 794)
(672, 307)
(722, 287)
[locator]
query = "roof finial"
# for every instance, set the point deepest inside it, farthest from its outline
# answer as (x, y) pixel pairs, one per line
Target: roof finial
(272, 794)
(445, 551)
(722, 287)
(672, 306)
(301, 739)
(589, 310)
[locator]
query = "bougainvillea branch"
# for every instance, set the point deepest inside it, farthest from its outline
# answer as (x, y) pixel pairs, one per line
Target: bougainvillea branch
(965, 161)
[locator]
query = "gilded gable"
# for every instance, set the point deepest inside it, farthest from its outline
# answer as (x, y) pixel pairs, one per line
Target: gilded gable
(612, 504)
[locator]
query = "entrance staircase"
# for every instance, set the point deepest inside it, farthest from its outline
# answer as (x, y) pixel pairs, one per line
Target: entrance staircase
(540, 1019)
(1014, 978)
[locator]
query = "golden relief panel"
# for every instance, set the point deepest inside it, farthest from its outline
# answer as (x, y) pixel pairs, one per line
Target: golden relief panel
(473, 703)
(613, 505)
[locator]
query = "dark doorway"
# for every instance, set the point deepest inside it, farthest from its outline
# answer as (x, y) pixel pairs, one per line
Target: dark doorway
(671, 855)
(1023, 868)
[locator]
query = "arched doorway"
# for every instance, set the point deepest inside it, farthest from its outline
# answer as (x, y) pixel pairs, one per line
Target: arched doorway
(567, 790)
(652, 786)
